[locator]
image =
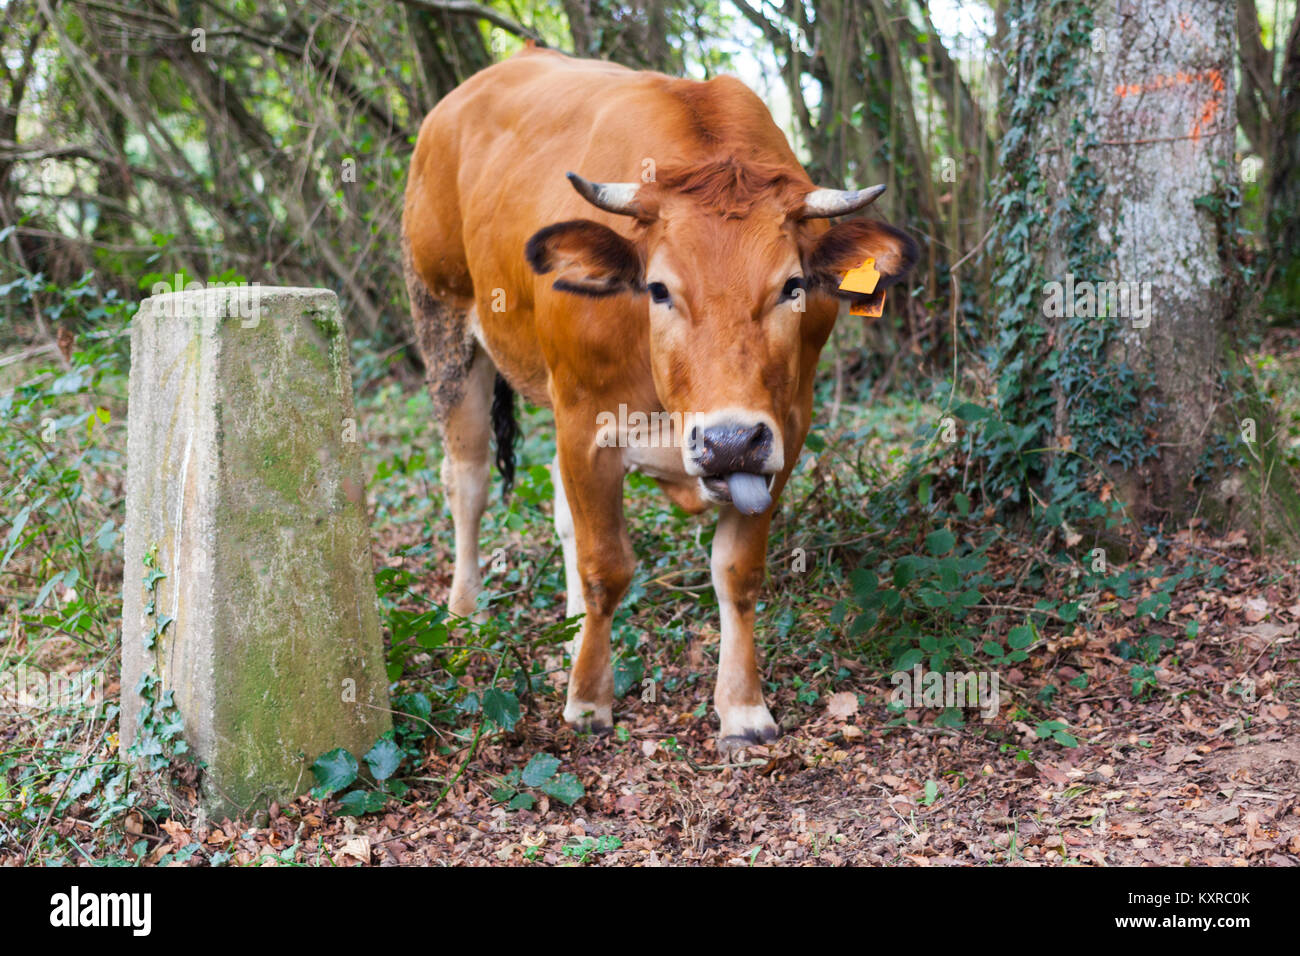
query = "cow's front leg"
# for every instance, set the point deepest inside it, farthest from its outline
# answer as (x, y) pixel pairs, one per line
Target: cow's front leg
(739, 561)
(593, 487)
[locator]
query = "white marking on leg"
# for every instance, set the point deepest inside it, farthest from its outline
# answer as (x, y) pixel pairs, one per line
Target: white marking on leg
(467, 479)
(467, 485)
(573, 604)
(738, 697)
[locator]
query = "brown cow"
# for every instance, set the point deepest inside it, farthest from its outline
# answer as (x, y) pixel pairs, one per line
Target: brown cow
(691, 278)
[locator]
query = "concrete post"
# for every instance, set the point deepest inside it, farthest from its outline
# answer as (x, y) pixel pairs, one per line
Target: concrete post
(245, 489)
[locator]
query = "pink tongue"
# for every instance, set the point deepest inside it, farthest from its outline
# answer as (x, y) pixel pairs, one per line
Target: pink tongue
(748, 492)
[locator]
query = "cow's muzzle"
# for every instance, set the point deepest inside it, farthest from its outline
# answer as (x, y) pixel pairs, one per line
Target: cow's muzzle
(736, 464)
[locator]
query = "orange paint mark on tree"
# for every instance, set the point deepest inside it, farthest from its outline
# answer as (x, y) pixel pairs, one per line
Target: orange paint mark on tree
(1209, 109)
(1169, 81)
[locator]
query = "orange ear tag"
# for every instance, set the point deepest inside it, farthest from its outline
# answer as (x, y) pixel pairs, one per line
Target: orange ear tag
(872, 308)
(863, 279)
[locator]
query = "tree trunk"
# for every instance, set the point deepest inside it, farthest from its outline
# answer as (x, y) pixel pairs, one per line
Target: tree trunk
(1284, 179)
(1116, 268)
(1268, 109)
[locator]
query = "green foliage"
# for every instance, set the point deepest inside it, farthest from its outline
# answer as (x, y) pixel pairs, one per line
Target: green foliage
(336, 771)
(588, 847)
(57, 437)
(540, 773)
(1055, 730)
(62, 463)
(159, 733)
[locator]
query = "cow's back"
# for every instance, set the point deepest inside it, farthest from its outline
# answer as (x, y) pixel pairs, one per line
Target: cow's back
(489, 164)
(491, 157)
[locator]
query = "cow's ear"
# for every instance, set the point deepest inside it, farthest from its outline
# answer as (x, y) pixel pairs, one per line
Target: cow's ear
(587, 258)
(849, 245)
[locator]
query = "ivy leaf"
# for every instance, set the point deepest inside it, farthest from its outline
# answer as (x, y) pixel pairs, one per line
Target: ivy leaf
(566, 788)
(384, 758)
(540, 769)
(628, 673)
(357, 803)
(333, 771)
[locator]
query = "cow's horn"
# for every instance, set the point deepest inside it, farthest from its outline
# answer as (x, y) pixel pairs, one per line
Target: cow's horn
(824, 203)
(611, 197)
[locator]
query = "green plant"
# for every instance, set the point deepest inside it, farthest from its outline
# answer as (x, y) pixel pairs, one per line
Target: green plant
(61, 473)
(538, 774)
(588, 847)
(1055, 730)
(337, 771)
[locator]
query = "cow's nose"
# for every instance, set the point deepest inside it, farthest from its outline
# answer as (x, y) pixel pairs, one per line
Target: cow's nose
(730, 447)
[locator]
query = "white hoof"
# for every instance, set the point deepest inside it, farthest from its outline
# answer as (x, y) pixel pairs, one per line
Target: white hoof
(588, 717)
(746, 726)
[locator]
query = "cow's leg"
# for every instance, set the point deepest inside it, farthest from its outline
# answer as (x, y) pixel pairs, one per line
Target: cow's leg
(593, 478)
(574, 605)
(459, 375)
(467, 477)
(738, 565)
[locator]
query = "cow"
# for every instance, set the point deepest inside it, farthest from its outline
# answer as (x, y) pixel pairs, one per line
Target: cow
(608, 242)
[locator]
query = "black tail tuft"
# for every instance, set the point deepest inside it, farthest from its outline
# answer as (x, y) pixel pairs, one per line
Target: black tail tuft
(506, 430)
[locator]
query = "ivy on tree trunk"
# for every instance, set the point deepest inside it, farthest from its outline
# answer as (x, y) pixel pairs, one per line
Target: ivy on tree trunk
(1116, 275)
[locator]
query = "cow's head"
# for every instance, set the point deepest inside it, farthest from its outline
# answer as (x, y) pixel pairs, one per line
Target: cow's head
(738, 269)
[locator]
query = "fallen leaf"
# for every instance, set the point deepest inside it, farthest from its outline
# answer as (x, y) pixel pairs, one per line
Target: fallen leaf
(842, 705)
(358, 848)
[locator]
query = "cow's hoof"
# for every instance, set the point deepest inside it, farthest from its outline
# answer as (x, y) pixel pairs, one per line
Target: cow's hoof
(589, 718)
(745, 727)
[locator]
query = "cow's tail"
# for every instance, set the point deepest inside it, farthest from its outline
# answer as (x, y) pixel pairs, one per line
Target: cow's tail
(506, 430)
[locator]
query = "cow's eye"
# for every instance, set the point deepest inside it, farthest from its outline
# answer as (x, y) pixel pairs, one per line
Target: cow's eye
(793, 286)
(659, 292)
